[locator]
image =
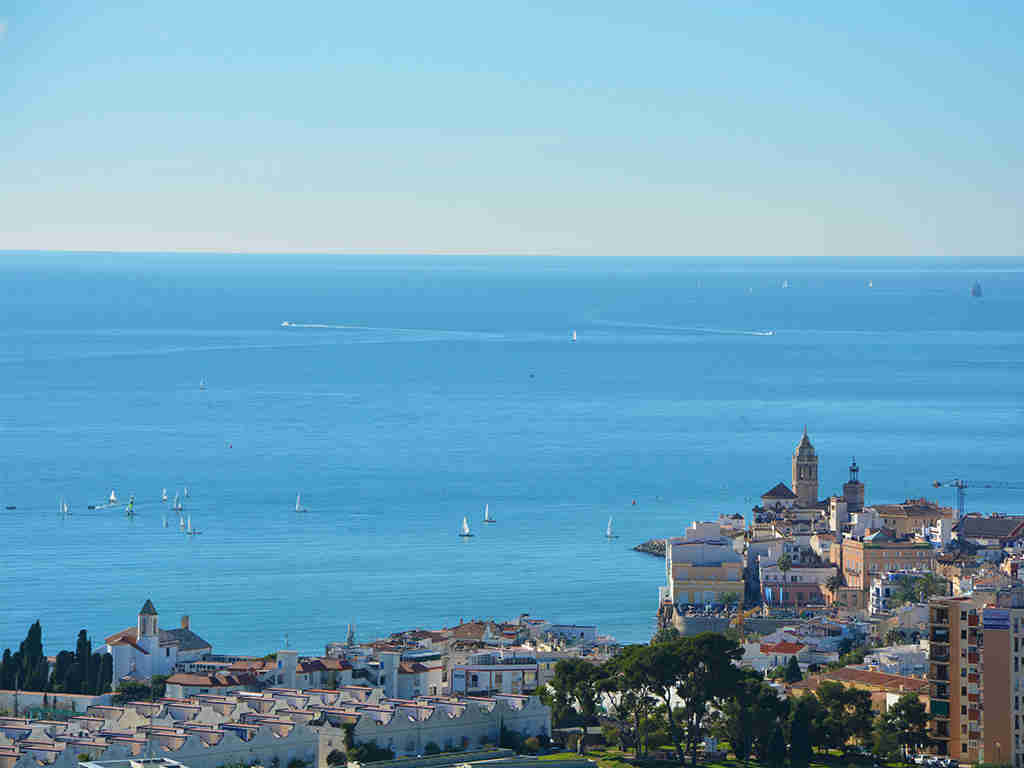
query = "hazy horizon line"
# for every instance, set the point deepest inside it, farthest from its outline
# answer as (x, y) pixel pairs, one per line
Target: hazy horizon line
(509, 258)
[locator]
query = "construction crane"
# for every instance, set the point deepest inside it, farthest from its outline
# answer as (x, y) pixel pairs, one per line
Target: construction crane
(961, 487)
(737, 620)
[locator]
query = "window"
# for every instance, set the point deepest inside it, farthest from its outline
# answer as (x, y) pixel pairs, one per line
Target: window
(963, 634)
(963, 747)
(963, 615)
(963, 710)
(497, 678)
(963, 690)
(167, 651)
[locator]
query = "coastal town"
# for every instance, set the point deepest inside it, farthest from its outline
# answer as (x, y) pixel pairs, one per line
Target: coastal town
(900, 603)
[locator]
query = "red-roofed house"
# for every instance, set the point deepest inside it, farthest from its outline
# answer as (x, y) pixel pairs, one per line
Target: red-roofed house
(764, 656)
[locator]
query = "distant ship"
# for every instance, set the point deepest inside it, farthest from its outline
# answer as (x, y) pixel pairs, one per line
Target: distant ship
(976, 290)
(286, 323)
(785, 283)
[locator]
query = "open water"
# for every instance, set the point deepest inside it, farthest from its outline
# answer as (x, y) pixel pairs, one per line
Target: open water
(442, 386)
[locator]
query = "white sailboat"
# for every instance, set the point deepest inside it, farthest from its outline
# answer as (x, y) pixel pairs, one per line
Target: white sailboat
(181, 522)
(298, 503)
(202, 384)
(574, 335)
(464, 533)
(785, 283)
(188, 493)
(608, 531)
(163, 496)
(487, 514)
(113, 498)
(177, 503)
(190, 531)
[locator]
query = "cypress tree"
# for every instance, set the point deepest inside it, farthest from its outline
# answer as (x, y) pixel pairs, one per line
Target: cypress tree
(793, 673)
(6, 671)
(106, 673)
(776, 752)
(65, 660)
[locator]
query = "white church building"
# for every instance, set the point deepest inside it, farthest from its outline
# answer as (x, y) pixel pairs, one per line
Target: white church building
(146, 650)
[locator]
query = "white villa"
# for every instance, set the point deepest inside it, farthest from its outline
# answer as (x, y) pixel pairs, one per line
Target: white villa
(146, 650)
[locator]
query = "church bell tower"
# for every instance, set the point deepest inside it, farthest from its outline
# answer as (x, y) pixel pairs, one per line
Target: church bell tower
(853, 491)
(805, 473)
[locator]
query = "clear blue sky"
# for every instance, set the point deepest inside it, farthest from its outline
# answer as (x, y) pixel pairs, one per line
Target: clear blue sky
(656, 128)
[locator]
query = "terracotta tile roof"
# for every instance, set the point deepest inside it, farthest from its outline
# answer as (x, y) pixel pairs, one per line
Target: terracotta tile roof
(783, 647)
(865, 677)
(125, 639)
(251, 665)
(413, 668)
(216, 680)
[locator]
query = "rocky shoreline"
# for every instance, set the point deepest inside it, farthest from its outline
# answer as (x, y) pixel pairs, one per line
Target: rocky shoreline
(654, 547)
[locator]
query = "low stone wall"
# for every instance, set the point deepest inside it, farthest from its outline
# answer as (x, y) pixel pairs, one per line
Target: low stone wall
(694, 625)
(20, 702)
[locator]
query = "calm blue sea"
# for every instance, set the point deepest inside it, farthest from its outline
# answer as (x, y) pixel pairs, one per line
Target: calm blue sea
(446, 385)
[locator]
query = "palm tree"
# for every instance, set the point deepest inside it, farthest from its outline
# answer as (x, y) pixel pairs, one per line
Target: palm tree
(785, 564)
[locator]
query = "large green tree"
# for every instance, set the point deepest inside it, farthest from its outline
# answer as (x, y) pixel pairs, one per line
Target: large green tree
(709, 677)
(801, 726)
(844, 714)
(629, 682)
(576, 688)
(909, 718)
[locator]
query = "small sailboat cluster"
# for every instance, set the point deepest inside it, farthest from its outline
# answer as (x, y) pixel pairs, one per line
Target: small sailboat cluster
(298, 503)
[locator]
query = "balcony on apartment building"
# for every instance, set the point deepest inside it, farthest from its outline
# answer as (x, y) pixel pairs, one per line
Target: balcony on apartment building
(940, 709)
(938, 653)
(940, 616)
(939, 691)
(939, 672)
(939, 635)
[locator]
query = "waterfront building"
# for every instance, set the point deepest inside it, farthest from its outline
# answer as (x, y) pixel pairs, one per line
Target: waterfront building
(145, 650)
(797, 587)
(879, 552)
(702, 568)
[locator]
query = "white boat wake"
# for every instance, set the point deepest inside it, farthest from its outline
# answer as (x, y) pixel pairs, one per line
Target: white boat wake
(683, 329)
